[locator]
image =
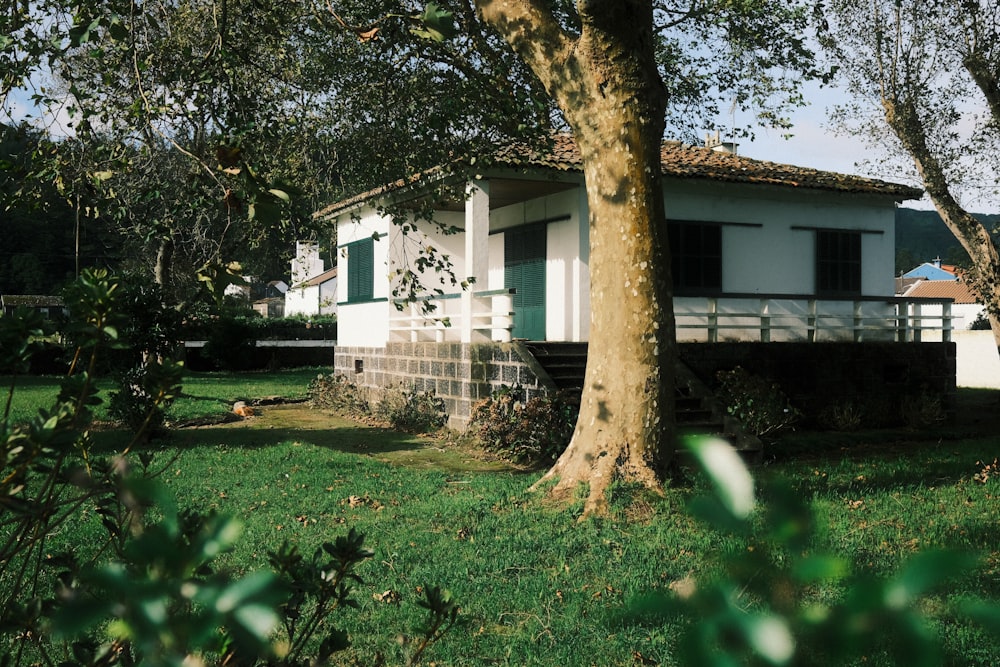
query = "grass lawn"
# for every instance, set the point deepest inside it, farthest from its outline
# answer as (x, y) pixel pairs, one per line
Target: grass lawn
(536, 587)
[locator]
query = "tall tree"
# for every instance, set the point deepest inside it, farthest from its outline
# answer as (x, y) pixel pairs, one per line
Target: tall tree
(930, 69)
(606, 81)
(405, 86)
(601, 68)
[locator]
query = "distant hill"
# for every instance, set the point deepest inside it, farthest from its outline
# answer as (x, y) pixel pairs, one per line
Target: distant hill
(921, 236)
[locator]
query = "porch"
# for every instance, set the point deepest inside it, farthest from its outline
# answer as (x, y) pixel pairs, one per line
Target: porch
(488, 316)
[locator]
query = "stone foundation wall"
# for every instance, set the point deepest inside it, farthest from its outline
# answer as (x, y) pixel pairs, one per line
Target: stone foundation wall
(459, 373)
(817, 375)
(813, 375)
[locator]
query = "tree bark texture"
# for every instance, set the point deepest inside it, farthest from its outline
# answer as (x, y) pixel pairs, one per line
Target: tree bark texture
(606, 83)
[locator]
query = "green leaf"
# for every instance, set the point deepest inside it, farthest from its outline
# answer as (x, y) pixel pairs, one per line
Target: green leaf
(986, 614)
(436, 24)
(729, 475)
(262, 584)
(257, 619)
(924, 572)
(280, 194)
(769, 637)
(820, 568)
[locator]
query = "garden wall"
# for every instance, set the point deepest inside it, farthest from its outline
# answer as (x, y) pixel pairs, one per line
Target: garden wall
(818, 375)
(460, 373)
(813, 375)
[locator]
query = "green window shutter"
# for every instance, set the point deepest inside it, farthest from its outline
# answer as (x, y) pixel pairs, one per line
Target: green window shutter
(361, 270)
(524, 270)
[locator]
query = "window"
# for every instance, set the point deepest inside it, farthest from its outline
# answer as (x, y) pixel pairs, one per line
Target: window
(696, 256)
(361, 270)
(838, 262)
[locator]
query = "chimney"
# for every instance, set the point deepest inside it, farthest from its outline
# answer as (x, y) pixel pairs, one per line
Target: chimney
(936, 262)
(717, 144)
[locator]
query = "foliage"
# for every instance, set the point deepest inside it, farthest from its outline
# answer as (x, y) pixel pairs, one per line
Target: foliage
(759, 403)
(336, 392)
(145, 585)
(761, 609)
(923, 77)
(141, 399)
(922, 410)
(533, 431)
(841, 416)
(231, 343)
(981, 323)
(409, 410)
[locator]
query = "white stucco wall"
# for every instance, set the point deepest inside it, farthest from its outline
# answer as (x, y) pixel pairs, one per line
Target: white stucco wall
(775, 258)
(768, 248)
(302, 301)
(363, 324)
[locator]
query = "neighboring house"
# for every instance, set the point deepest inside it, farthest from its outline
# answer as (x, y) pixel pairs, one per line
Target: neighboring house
(50, 307)
(760, 252)
(934, 270)
(315, 296)
(314, 288)
(271, 306)
(963, 308)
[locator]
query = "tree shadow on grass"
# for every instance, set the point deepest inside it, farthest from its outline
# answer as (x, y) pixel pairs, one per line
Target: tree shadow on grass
(298, 423)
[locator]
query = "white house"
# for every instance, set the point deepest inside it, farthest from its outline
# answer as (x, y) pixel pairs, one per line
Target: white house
(741, 229)
(314, 288)
(760, 251)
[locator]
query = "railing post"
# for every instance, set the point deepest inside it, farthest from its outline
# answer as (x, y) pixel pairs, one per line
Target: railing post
(765, 321)
(859, 327)
(917, 322)
(811, 322)
(713, 320)
(505, 320)
(946, 321)
(415, 315)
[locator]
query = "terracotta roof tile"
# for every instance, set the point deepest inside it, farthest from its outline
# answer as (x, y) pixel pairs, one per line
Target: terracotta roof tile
(677, 160)
(684, 161)
(943, 289)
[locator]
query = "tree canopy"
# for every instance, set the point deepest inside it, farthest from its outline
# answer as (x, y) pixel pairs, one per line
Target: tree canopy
(264, 100)
(927, 74)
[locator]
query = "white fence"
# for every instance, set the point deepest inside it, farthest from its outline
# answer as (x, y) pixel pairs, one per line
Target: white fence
(742, 317)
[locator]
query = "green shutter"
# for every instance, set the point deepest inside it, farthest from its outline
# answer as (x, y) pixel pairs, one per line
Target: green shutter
(524, 270)
(361, 270)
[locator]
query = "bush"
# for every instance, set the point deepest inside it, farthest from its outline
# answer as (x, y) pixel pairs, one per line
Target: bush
(231, 344)
(842, 416)
(412, 411)
(335, 392)
(147, 589)
(532, 432)
(759, 403)
(922, 410)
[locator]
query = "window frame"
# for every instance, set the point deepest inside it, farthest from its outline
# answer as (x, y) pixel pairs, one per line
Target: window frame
(705, 264)
(839, 262)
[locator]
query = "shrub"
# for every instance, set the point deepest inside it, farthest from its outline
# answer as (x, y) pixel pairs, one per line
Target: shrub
(759, 403)
(841, 416)
(406, 409)
(147, 589)
(922, 410)
(231, 344)
(532, 432)
(335, 392)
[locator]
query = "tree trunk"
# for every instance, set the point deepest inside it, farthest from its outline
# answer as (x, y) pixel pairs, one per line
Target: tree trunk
(164, 262)
(902, 117)
(606, 82)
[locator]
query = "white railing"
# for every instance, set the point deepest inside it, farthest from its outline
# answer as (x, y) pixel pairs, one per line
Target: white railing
(787, 318)
(732, 317)
(442, 318)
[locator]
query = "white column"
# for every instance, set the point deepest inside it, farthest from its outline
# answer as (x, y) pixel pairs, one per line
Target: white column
(477, 256)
